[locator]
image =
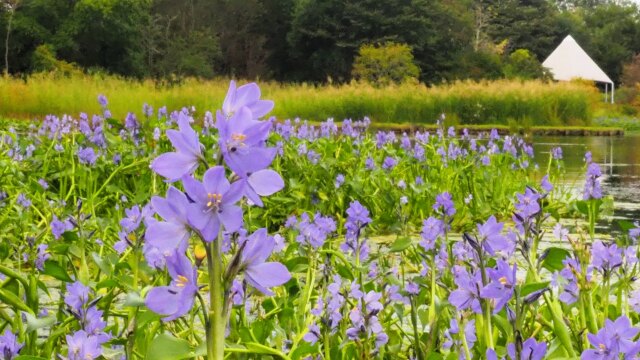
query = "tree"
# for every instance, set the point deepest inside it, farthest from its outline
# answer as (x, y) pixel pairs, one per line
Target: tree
(385, 64)
(526, 24)
(614, 31)
(326, 34)
(522, 64)
(10, 6)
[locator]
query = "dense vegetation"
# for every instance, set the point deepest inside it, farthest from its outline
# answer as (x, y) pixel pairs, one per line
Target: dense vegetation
(310, 40)
(270, 242)
(502, 102)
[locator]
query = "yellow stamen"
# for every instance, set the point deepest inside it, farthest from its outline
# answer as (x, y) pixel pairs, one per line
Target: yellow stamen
(214, 199)
(503, 280)
(238, 137)
(181, 281)
(131, 237)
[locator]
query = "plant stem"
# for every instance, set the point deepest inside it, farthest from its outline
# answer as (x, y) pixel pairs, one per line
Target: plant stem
(416, 335)
(216, 328)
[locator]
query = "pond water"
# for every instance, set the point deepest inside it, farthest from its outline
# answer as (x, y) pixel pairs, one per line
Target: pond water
(619, 158)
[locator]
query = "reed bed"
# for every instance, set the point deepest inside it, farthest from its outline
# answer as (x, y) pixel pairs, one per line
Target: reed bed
(503, 102)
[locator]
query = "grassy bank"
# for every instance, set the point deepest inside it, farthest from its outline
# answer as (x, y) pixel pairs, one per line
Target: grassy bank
(501, 102)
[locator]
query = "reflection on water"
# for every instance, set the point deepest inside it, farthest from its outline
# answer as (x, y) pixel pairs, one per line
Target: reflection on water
(619, 158)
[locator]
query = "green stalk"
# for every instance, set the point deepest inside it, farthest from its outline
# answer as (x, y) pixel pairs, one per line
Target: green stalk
(559, 326)
(432, 305)
(463, 339)
(486, 308)
(591, 315)
(416, 335)
(216, 328)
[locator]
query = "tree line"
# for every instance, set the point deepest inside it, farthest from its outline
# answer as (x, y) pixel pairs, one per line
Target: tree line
(307, 40)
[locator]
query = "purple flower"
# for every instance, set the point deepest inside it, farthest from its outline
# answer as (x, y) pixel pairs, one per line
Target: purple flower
(634, 233)
(87, 156)
(587, 157)
(528, 205)
(545, 184)
(313, 334)
(592, 189)
(501, 287)
(467, 295)
(43, 183)
(556, 153)
(444, 204)
(412, 288)
(83, 346)
(42, 256)
(605, 257)
(248, 96)
(23, 200)
(358, 214)
(58, 227)
(174, 165)
(133, 219)
(369, 164)
(214, 203)
(454, 329)
(560, 232)
(339, 181)
(147, 110)
(9, 345)
(260, 274)
(94, 325)
(613, 339)
(242, 142)
(102, 100)
(177, 299)
(432, 228)
(531, 350)
(634, 301)
(77, 296)
(173, 233)
(491, 238)
(389, 163)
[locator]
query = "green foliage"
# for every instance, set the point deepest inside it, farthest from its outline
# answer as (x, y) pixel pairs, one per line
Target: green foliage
(44, 60)
(385, 64)
(521, 64)
(310, 40)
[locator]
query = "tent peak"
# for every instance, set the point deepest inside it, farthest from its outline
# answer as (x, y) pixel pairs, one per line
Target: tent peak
(569, 61)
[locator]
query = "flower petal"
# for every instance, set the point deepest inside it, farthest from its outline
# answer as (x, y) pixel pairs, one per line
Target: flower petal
(215, 180)
(266, 182)
(266, 275)
(231, 217)
(173, 165)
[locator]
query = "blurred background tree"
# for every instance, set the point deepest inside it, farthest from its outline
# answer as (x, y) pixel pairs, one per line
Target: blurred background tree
(385, 64)
(310, 40)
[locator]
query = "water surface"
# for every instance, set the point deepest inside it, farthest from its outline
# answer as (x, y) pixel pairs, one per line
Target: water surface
(619, 159)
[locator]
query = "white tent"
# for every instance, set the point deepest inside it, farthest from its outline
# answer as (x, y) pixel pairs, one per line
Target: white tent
(569, 61)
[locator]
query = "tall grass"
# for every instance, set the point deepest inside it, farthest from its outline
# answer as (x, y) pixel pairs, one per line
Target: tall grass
(498, 102)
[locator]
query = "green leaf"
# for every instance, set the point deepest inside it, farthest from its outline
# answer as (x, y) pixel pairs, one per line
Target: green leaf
(555, 256)
(532, 287)
(168, 347)
(626, 225)
(11, 299)
(4, 250)
(70, 236)
(52, 268)
(102, 263)
(28, 357)
(34, 323)
(400, 244)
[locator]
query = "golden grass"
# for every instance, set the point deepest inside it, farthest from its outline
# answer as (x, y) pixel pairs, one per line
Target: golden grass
(466, 102)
